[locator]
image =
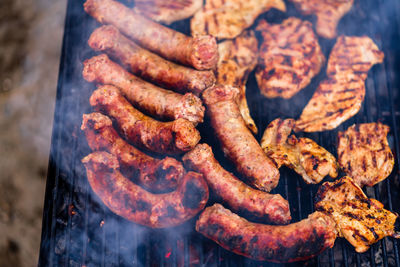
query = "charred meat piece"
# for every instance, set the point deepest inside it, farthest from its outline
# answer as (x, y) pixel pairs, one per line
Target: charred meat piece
(237, 142)
(290, 56)
(236, 194)
(364, 153)
(227, 19)
(167, 11)
(361, 220)
(275, 243)
(201, 52)
(156, 175)
(328, 12)
(135, 204)
(149, 66)
(302, 155)
(149, 98)
(340, 95)
(237, 58)
(160, 137)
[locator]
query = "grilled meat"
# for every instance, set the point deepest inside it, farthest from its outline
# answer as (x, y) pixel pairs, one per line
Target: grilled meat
(237, 142)
(227, 19)
(364, 153)
(240, 197)
(237, 58)
(302, 155)
(276, 243)
(132, 202)
(328, 13)
(167, 11)
(340, 95)
(290, 56)
(361, 220)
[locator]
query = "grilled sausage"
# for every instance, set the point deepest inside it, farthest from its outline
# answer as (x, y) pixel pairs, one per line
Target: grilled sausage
(153, 174)
(275, 243)
(148, 65)
(236, 139)
(236, 194)
(161, 137)
(201, 52)
(130, 201)
(154, 100)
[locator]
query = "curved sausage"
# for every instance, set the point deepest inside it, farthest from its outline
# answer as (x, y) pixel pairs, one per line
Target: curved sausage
(154, 100)
(135, 204)
(161, 137)
(201, 52)
(237, 142)
(153, 174)
(148, 65)
(276, 243)
(236, 194)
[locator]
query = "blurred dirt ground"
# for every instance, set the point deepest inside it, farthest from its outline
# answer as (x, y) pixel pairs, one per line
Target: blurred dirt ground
(30, 45)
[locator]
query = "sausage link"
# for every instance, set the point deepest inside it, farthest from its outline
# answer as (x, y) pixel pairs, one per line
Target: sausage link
(153, 174)
(132, 202)
(236, 194)
(201, 52)
(150, 66)
(275, 243)
(237, 142)
(161, 137)
(154, 100)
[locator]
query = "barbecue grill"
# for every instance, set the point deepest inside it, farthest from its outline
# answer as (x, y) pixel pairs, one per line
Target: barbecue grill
(78, 230)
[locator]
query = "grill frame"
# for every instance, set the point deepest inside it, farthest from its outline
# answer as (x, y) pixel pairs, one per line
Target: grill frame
(77, 228)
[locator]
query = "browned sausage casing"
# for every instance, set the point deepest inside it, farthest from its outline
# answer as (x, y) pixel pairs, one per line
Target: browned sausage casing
(148, 65)
(161, 137)
(130, 201)
(236, 139)
(153, 174)
(236, 194)
(275, 243)
(201, 52)
(154, 100)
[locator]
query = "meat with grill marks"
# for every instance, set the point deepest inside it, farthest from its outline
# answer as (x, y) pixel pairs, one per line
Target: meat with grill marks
(328, 12)
(340, 95)
(237, 58)
(364, 153)
(167, 11)
(361, 220)
(290, 56)
(227, 19)
(303, 155)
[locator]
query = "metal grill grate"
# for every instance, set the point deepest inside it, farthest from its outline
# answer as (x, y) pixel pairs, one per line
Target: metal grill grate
(79, 231)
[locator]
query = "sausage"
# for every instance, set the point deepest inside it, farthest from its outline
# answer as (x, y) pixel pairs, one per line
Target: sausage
(201, 51)
(153, 174)
(238, 144)
(236, 194)
(154, 100)
(149, 66)
(276, 243)
(161, 137)
(135, 204)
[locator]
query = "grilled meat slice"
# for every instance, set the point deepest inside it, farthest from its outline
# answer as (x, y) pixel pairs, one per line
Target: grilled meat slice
(167, 11)
(361, 220)
(227, 19)
(340, 95)
(237, 58)
(290, 56)
(302, 155)
(356, 54)
(328, 13)
(364, 153)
